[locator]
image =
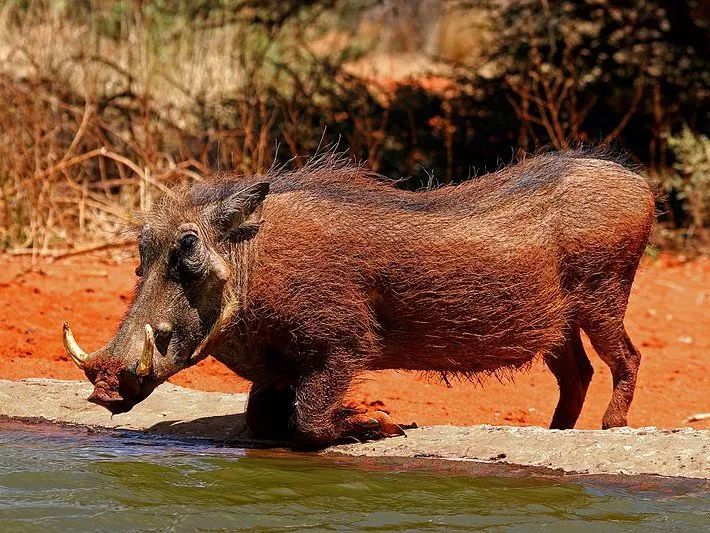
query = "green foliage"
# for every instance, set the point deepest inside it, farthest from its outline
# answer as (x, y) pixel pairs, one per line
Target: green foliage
(691, 180)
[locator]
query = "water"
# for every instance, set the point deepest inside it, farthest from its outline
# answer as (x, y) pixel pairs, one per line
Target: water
(54, 479)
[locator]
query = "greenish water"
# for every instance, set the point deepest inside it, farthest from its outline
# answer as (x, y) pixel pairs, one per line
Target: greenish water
(53, 479)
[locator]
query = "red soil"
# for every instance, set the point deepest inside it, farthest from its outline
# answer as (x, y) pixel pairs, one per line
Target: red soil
(668, 318)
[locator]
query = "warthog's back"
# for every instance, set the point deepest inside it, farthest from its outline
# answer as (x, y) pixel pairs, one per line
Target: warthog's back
(558, 197)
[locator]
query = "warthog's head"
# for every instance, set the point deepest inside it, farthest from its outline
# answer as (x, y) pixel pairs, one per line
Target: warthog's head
(187, 266)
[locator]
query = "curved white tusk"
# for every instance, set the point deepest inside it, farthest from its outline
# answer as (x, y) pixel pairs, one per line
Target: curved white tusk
(77, 355)
(145, 365)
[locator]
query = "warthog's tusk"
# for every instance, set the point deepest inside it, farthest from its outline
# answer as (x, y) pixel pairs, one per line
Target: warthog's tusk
(77, 355)
(145, 365)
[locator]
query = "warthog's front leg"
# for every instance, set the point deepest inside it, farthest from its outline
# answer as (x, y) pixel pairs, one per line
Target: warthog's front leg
(271, 411)
(321, 418)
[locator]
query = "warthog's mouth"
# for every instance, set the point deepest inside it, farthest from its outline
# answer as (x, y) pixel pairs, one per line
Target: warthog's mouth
(110, 399)
(129, 393)
(115, 406)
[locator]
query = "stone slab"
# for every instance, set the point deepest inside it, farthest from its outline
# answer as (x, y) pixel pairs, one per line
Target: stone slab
(181, 412)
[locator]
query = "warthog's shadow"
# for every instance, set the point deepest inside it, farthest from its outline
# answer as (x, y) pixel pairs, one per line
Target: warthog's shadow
(224, 429)
(232, 430)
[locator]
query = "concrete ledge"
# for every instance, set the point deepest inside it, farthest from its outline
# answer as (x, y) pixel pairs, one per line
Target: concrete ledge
(176, 411)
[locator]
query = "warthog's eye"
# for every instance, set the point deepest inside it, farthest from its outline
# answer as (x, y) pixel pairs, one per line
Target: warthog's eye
(187, 258)
(188, 242)
(139, 270)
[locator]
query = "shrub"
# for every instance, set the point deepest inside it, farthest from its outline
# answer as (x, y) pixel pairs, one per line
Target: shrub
(599, 70)
(690, 180)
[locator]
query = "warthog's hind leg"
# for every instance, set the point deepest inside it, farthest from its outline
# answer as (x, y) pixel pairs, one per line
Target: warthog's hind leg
(573, 371)
(615, 348)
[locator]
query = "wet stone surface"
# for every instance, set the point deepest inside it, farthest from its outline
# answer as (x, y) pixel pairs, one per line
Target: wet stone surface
(176, 411)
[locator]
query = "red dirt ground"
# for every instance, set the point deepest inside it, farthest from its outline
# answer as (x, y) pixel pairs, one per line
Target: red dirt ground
(669, 320)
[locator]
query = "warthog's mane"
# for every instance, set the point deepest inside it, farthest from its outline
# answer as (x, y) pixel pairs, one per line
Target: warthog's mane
(336, 177)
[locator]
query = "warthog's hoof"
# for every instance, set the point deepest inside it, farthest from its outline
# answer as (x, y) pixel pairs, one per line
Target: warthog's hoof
(370, 426)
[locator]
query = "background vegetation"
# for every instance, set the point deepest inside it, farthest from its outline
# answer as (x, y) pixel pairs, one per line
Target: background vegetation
(104, 103)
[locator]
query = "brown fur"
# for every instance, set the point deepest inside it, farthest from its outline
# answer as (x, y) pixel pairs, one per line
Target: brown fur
(338, 272)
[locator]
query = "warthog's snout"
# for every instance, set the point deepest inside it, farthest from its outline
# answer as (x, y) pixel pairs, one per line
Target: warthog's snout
(118, 384)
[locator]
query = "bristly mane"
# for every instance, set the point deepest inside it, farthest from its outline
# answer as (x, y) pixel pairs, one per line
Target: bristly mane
(335, 176)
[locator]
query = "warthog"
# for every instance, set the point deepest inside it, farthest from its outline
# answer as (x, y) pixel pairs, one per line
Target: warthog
(299, 281)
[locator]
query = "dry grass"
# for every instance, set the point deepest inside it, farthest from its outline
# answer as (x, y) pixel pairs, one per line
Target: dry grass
(96, 122)
(106, 103)
(93, 127)
(66, 174)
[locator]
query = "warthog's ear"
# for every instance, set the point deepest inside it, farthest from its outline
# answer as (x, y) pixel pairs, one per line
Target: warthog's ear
(233, 217)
